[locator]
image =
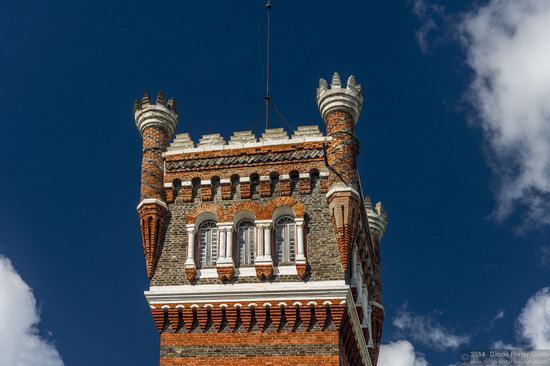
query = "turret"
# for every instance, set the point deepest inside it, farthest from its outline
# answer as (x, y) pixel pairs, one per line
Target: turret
(378, 222)
(340, 108)
(156, 124)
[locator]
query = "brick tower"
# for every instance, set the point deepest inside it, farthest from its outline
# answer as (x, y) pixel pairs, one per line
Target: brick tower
(261, 251)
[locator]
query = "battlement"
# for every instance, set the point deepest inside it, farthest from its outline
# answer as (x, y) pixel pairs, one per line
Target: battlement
(244, 139)
(378, 218)
(162, 114)
(337, 98)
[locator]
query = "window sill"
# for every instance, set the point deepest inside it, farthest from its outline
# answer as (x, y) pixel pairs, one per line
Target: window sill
(248, 271)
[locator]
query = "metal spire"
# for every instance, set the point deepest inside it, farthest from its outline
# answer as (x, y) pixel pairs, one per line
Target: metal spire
(267, 97)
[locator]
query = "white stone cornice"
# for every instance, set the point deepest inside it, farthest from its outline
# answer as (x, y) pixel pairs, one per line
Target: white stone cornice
(377, 304)
(341, 188)
(154, 201)
(296, 140)
(337, 98)
(235, 292)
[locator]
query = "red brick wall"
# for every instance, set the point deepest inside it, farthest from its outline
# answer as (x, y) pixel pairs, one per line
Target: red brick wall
(257, 348)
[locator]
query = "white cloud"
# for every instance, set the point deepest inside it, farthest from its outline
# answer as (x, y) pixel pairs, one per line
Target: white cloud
(428, 14)
(508, 49)
(499, 315)
(534, 320)
(20, 342)
(400, 353)
(427, 331)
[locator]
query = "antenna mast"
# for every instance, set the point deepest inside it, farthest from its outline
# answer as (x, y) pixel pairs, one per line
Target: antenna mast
(267, 97)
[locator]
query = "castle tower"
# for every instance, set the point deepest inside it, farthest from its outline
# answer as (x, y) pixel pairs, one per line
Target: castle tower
(261, 251)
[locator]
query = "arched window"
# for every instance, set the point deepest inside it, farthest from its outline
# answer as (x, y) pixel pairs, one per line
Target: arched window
(208, 244)
(285, 237)
(246, 242)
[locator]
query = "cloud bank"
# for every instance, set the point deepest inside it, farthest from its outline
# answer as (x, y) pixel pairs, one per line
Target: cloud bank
(508, 48)
(534, 320)
(429, 16)
(20, 341)
(400, 353)
(427, 331)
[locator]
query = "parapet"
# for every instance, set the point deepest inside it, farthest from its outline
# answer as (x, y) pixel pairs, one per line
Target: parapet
(243, 139)
(378, 218)
(337, 98)
(162, 114)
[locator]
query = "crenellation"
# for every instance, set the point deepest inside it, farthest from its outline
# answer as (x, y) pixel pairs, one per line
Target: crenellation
(272, 134)
(244, 139)
(182, 141)
(307, 131)
(214, 139)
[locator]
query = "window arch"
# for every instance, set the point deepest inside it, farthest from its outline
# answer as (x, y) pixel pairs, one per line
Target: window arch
(285, 238)
(208, 244)
(246, 242)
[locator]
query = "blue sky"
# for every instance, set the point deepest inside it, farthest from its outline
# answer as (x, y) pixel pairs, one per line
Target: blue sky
(461, 169)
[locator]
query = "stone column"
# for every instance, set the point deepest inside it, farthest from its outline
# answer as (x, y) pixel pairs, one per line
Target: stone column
(156, 124)
(301, 263)
(259, 242)
(263, 261)
(222, 234)
(267, 242)
(224, 264)
(229, 244)
(190, 267)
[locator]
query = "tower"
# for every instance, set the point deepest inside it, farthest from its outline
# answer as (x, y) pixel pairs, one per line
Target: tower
(261, 251)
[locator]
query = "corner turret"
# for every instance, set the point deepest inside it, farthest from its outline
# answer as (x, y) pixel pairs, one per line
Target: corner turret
(156, 124)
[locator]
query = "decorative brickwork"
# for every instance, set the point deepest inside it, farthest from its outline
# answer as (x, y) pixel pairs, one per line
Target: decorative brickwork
(264, 271)
(286, 269)
(301, 269)
(225, 273)
(152, 218)
(156, 123)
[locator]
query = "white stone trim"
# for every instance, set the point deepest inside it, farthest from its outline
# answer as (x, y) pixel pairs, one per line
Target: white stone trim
(377, 304)
(284, 177)
(296, 140)
(156, 115)
(303, 175)
(244, 179)
(224, 262)
(148, 201)
(257, 292)
(287, 270)
(265, 178)
(168, 185)
(206, 182)
(323, 174)
(340, 188)
(187, 183)
(356, 324)
(225, 181)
